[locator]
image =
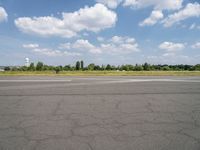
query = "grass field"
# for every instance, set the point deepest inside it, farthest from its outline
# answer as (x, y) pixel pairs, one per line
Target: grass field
(101, 73)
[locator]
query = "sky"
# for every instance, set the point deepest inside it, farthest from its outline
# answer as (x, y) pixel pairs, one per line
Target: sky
(59, 32)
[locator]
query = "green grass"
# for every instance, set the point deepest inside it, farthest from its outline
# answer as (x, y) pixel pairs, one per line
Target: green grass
(101, 73)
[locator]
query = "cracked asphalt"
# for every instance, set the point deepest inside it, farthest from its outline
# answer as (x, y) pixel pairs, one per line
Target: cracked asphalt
(99, 113)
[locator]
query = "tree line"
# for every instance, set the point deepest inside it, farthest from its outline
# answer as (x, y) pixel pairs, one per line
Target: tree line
(79, 66)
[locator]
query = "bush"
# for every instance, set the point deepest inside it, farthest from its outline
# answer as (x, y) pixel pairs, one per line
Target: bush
(7, 68)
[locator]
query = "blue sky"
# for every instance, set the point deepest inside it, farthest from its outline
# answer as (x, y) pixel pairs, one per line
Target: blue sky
(100, 31)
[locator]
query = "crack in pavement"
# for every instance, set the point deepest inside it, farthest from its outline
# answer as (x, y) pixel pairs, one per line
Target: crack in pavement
(109, 118)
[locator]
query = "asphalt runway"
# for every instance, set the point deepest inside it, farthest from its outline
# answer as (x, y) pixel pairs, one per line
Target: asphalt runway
(99, 113)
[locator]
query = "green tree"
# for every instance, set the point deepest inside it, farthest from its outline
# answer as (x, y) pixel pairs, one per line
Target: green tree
(61, 67)
(15, 69)
(138, 67)
(45, 67)
(166, 68)
(57, 69)
(130, 67)
(39, 66)
(31, 67)
(7, 68)
(103, 67)
(77, 65)
(97, 67)
(127, 67)
(124, 68)
(67, 68)
(146, 66)
(197, 67)
(82, 65)
(91, 66)
(24, 68)
(108, 67)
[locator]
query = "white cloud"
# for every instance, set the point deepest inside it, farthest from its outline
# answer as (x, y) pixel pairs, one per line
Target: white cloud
(115, 45)
(120, 45)
(192, 26)
(47, 51)
(155, 16)
(50, 52)
(93, 19)
(110, 3)
(121, 40)
(65, 46)
(30, 46)
(191, 10)
(157, 4)
(117, 39)
(3, 14)
(168, 54)
(196, 45)
(85, 45)
(171, 47)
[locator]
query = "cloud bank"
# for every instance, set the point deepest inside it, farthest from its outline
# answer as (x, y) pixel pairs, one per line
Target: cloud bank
(92, 19)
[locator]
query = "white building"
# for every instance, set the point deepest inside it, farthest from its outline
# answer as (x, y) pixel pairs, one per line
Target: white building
(27, 62)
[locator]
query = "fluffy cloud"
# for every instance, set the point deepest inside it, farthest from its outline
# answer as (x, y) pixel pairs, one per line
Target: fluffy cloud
(93, 19)
(157, 4)
(82, 46)
(155, 16)
(47, 51)
(110, 3)
(85, 45)
(169, 54)
(171, 47)
(30, 45)
(124, 48)
(119, 45)
(115, 45)
(64, 46)
(50, 52)
(122, 40)
(191, 10)
(3, 14)
(196, 45)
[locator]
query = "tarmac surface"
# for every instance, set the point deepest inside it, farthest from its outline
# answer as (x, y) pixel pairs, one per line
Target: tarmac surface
(99, 113)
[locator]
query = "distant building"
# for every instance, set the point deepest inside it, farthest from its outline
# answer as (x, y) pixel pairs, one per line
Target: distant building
(27, 62)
